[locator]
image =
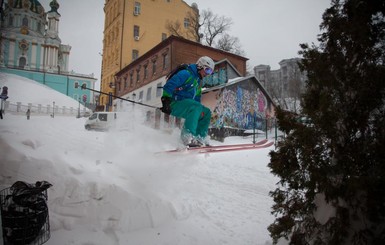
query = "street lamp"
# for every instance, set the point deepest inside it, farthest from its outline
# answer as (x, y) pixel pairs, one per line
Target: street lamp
(53, 109)
(79, 108)
(134, 97)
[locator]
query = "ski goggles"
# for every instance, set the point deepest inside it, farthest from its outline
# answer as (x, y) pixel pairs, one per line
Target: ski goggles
(208, 71)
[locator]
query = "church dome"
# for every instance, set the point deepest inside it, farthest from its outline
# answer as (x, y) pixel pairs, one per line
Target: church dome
(54, 6)
(32, 5)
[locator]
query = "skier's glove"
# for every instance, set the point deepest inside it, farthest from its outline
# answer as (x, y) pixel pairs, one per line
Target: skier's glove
(166, 105)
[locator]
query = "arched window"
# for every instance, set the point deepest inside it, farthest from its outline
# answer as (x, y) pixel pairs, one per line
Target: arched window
(25, 21)
(10, 20)
(22, 62)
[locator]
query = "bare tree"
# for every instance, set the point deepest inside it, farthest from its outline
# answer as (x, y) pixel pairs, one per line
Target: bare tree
(214, 26)
(192, 32)
(295, 90)
(230, 44)
(209, 29)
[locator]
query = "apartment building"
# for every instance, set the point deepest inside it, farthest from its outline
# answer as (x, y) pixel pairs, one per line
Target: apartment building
(132, 28)
(286, 82)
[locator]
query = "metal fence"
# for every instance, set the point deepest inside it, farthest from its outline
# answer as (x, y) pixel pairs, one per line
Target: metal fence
(269, 129)
(39, 109)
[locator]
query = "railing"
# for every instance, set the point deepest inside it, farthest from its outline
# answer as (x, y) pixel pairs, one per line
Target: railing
(38, 109)
(269, 130)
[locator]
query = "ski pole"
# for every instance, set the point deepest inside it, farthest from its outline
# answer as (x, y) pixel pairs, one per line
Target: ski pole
(117, 97)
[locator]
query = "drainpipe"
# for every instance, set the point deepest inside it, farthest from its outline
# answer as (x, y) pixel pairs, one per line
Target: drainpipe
(121, 38)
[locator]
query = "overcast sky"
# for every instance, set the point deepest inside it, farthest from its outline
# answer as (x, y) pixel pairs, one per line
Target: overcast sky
(268, 30)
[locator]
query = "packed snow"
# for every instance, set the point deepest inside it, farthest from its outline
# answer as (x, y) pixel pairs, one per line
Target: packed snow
(26, 91)
(115, 187)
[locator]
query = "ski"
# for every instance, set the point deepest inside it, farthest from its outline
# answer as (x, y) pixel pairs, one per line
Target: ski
(253, 147)
(223, 148)
(218, 146)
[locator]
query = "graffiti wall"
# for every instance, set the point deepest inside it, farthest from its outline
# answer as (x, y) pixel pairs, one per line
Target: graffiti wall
(242, 105)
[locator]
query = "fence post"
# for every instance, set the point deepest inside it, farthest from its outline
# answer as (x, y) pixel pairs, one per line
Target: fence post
(266, 128)
(18, 106)
(157, 118)
(275, 129)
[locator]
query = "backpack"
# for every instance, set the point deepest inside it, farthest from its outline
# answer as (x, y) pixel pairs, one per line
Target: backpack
(176, 70)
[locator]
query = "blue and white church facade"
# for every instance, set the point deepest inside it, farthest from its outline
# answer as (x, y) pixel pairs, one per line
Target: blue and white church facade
(30, 47)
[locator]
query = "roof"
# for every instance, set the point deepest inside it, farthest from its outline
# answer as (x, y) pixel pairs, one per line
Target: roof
(169, 41)
(34, 6)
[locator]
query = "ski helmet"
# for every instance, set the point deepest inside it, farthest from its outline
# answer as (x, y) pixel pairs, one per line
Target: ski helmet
(205, 61)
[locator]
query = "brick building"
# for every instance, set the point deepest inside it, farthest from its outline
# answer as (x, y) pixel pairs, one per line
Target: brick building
(143, 79)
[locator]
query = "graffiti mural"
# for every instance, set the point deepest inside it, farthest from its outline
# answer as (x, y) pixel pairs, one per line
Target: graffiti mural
(242, 105)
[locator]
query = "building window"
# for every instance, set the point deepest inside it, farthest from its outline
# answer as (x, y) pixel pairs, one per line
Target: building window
(186, 22)
(145, 72)
(136, 32)
(118, 84)
(135, 54)
(164, 36)
(25, 21)
(138, 75)
(131, 79)
(148, 96)
(137, 8)
(22, 62)
(76, 84)
(140, 96)
(165, 57)
(10, 20)
(159, 90)
(125, 82)
(154, 67)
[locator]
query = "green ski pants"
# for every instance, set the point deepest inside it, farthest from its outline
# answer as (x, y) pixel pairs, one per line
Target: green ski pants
(197, 116)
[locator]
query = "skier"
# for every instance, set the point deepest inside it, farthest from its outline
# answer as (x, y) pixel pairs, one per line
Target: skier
(3, 97)
(182, 98)
(28, 113)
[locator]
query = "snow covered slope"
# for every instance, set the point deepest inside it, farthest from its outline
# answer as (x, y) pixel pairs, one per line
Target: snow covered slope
(25, 90)
(110, 187)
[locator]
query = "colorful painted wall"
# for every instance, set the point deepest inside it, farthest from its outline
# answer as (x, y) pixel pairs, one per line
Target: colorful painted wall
(242, 105)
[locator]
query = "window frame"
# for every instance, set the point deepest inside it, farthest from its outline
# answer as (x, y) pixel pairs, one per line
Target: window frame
(136, 31)
(149, 94)
(137, 8)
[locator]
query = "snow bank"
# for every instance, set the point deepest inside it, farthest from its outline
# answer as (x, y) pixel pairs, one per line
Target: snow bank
(26, 91)
(111, 187)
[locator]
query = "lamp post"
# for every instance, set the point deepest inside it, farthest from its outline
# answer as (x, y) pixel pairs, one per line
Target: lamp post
(79, 108)
(53, 110)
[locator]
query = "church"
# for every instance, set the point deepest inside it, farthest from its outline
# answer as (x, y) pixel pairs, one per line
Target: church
(30, 47)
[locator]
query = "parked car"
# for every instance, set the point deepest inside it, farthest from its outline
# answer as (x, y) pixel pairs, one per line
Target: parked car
(100, 121)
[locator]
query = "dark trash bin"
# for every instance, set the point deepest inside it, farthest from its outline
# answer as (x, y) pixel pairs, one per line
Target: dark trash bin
(24, 213)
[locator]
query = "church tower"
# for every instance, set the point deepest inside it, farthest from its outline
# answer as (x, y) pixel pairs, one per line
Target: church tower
(30, 37)
(30, 47)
